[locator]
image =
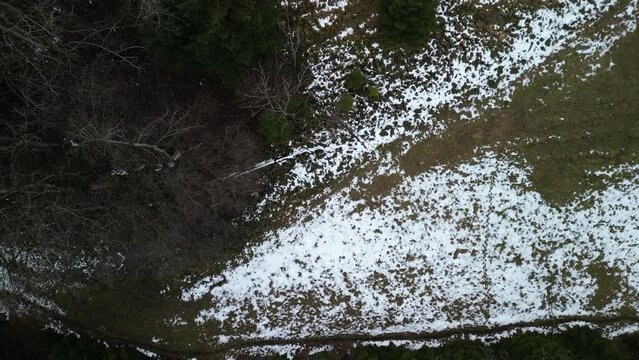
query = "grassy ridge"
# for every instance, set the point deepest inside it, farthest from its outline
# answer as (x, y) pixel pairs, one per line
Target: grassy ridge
(563, 126)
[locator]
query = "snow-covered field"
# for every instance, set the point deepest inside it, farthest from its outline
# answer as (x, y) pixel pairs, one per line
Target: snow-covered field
(479, 250)
(454, 246)
(469, 69)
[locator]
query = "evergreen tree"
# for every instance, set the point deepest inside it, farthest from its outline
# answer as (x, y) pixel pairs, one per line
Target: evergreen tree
(219, 37)
(407, 21)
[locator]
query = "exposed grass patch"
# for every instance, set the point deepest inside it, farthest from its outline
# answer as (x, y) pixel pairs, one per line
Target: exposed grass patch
(566, 134)
(608, 284)
(139, 309)
(373, 192)
(589, 127)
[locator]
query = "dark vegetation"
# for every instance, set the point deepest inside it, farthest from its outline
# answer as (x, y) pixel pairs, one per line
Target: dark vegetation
(276, 95)
(356, 84)
(407, 22)
(355, 81)
(22, 342)
(121, 126)
(123, 122)
(574, 344)
(344, 104)
(18, 342)
(222, 38)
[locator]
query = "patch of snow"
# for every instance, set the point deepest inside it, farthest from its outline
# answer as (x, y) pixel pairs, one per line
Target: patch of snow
(453, 247)
(147, 353)
(449, 248)
(474, 73)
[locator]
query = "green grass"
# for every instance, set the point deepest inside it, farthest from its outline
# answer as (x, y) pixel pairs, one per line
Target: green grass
(594, 125)
(136, 309)
(609, 284)
(564, 133)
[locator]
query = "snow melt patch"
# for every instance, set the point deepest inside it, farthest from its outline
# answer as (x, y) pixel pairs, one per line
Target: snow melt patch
(473, 71)
(469, 245)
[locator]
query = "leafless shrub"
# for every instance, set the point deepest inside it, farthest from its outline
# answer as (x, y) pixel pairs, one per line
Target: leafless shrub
(292, 30)
(153, 14)
(275, 87)
(31, 52)
(40, 40)
(102, 170)
(136, 186)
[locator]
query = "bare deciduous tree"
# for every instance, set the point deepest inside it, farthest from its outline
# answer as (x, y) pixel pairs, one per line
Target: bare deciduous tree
(275, 87)
(106, 168)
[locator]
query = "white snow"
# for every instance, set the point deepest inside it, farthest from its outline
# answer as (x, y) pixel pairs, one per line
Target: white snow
(433, 257)
(454, 246)
(460, 78)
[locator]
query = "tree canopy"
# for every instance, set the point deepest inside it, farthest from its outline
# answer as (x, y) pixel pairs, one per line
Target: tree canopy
(221, 37)
(407, 21)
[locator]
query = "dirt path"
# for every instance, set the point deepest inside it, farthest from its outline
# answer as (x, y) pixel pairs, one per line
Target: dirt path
(235, 348)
